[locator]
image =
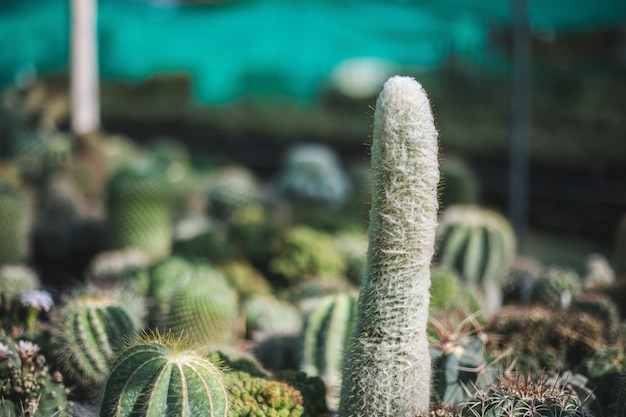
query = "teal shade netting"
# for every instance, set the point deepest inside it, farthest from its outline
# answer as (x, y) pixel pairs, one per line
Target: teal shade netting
(284, 46)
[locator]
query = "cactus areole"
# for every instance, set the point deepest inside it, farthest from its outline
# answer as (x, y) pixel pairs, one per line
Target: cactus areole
(388, 366)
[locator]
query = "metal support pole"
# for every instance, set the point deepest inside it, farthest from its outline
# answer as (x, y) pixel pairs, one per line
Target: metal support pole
(520, 121)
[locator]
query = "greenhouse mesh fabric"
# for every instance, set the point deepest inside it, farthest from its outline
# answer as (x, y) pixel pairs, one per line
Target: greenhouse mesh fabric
(274, 45)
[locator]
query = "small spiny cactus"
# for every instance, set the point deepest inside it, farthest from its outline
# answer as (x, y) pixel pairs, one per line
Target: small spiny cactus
(87, 330)
(15, 225)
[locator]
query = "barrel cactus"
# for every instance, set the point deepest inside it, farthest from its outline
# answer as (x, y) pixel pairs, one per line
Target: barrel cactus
(556, 287)
(138, 211)
(161, 376)
(87, 330)
(387, 367)
(519, 397)
(14, 281)
(324, 338)
(232, 188)
(127, 268)
(480, 244)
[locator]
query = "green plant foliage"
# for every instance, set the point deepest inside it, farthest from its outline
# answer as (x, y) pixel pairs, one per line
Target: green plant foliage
(518, 397)
(231, 189)
(267, 316)
(128, 268)
(480, 245)
(205, 309)
(15, 225)
(306, 253)
(138, 214)
(450, 299)
(88, 329)
(460, 367)
(28, 388)
(324, 338)
(459, 185)
(556, 287)
(541, 339)
(156, 376)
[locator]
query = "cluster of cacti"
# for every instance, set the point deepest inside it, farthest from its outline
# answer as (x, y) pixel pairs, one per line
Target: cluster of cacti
(519, 397)
(157, 376)
(387, 366)
(87, 330)
(460, 366)
(15, 224)
(480, 244)
(138, 213)
(324, 338)
(28, 387)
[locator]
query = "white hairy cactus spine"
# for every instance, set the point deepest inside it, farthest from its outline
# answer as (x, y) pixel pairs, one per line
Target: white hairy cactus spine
(387, 368)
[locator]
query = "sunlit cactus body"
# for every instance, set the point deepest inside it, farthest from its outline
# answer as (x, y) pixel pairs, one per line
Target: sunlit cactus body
(138, 210)
(88, 329)
(388, 367)
(324, 339)
(162, 377)
(479, 244)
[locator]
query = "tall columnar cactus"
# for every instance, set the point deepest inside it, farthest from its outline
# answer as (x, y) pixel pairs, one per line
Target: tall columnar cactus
(88, 329)
(159, 376)
(138, 210)
(480, 244)
(15, 222)
(324, 339)
(388, 366)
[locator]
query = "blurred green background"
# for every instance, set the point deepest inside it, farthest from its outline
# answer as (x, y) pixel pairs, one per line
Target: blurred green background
(245, 79)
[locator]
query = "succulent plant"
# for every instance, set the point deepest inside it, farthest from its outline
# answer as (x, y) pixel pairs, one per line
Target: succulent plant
(28, 388)
(205, 309)
(460, 366)
(158, 375)
(15, 280)
(520, 279)
(324, 338)
(479, 244)
(312, 173)
(198, 237)
(15, 225)
(388, 367)
(605, 310)
(352, 245)
(266, 315)
(459, 184)
(232, 188)
(246, 279)
(137, 210)
(519, 397)
(305, 254)
(88, 329)
(450, 299)
(128, 268)
(556, 287)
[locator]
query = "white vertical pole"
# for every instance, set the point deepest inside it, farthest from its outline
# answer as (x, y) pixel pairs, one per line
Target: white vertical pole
(85, 94)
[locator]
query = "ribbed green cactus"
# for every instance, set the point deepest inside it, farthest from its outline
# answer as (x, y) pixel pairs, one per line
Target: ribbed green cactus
(324, 338)
(517, 397)
(138, 211)
(387, 369)
(87, 330)
(28, 388)
(450, 299)
(159, 376)
(15, 223)
(480, 244)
